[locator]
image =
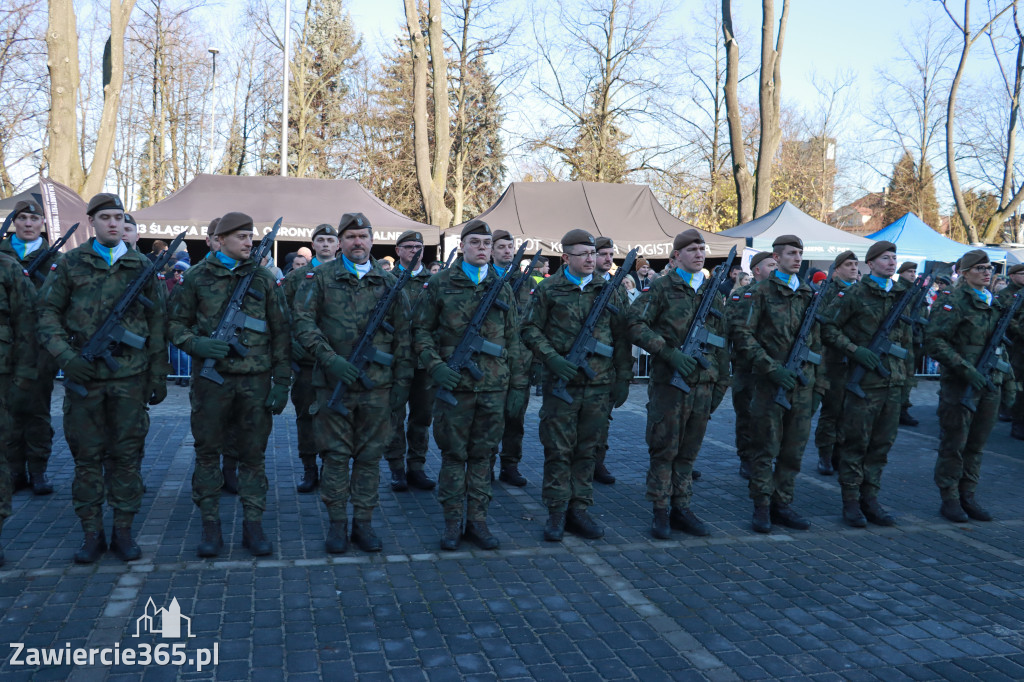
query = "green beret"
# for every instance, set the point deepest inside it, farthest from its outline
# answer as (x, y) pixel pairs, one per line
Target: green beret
(878, 248)
(604, 243)
(843, 257)
(26, 206)
(909, 265)
(502, 234)
(104, 202)
(788, 240)
(232, 222)
(687, 237)
(759, 257)
(970, 259)
(325, 229)
(475, 226)
(354, 221)
(574, 237)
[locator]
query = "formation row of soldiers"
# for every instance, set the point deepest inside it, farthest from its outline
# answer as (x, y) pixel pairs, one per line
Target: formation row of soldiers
(302, 338)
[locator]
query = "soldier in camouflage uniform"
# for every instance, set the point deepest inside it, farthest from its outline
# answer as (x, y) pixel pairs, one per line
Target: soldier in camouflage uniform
(467, 432)
(570, 432)
(409, 469)
(832, 389)
(602, 269)
(30, 439)
(254, 387)
(105, 429)
(869, 424)
(512, 438)
(907, 275)
(676, 421)
(961, 324)
(18, 352)
(1015, 287)
(325, 248)
(766, 337)
(332, 309)
(762, 265)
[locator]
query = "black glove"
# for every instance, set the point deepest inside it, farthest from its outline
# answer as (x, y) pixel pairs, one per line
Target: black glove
(561, 368)
(445, 377)
(157, 389)
(277, 399)
(782, 377)
(620, 393)
(79, 370)
(342, 370)
(205, 347)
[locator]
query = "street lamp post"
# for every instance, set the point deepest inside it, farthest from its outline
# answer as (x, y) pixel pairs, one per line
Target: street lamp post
(213, 108)
(284, 116)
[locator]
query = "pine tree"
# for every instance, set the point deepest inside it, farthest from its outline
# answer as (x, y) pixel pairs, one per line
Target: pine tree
(911, 191)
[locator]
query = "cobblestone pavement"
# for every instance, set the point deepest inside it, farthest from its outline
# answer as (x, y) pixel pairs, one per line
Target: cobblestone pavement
(924, 600)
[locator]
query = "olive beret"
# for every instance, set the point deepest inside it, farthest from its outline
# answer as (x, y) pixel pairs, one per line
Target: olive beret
(502, 234)
(788, 240)
(103, 202)
(353, 221)
(232, 222)
(27, 206)
(475, 226)
(574, 237)
(211, 229)
(604, 243)
(843, 257)
(909, 265)
(970, 259)
(758, 257)
(129, 219)
(324, 229)
(1014, 269)
(687, 237)
(878, 248)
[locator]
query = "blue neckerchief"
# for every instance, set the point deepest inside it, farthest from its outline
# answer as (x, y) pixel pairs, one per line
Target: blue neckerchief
(578, 281)
(399, 266)
(607, 276)
(231, 263)
(315, 262)
(848, 284)
(355, 268)
(23, 248)
(791, 281)
(883, 282)
(499, 271)
(694, 279)
(475, 274)
(983, 295)
(109, 254)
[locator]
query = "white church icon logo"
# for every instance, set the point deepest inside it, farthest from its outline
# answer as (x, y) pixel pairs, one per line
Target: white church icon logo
(170, 621)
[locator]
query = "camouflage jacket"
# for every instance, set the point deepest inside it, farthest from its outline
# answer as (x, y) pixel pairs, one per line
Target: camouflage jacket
(17, 321)
(7, 248)
(853, 318)
(79, 294)
(959, 328)
(1016, 333)
(773, 320)
(450, 300)
(331, 310)
(833, 357)
(557, 312)
(199, 301)
(660, 319)
(290, 286)
(737, 304)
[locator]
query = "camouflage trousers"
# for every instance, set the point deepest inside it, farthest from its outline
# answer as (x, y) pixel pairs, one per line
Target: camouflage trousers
(467, 434)
(780, 436)
(5, 426)
(962, 437)
(601, 451)
(676, 423)
(830, 422)
(911, 381)
(512, 436)
(30, 438)
(569, 434)
(358, 437)
(417, 434)
(742, 393)
(869, 430)
(107, 430)
(303, 395)
(232, 412)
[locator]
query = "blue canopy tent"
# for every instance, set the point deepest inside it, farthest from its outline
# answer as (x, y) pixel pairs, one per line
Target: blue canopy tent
(821, 241)
(915, 241)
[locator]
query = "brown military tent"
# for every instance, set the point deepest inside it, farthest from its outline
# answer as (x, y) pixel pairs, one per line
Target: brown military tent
(303, 202)
(542, 212)
(62, 206)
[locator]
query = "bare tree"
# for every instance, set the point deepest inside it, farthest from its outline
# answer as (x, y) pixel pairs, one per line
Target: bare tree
(21, 57)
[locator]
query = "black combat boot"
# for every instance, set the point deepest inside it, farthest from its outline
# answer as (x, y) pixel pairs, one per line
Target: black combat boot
(745, 470)
(398, 481)
(309, 475)
(694, 475)
(554, 529)
(1005, 415)
(212, 541)
(510, 475)
(230, 475)
(1017, 430)
(418, 479)
(580, 522)
(93, 546)
(19, 481)
(480, 535)
(254, 540)
(122, 544)
(686, 521)
(337, 537)
(452, 535)
(40, 486)
(660, 528)
(973, 509)
(785, 515)
(825, 462)
(952, 510)
(364, 537)
(852, 514)
(906, 419)
(761, 521)
(602, 475)
(876, 513)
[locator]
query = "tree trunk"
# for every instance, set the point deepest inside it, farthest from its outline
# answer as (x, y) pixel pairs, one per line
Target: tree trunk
(769, 102)
(62, 160)
(740, 172)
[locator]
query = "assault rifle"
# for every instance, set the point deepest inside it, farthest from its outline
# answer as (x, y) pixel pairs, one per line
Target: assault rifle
(451, 258)
(106, 341)
(991, 357)
(233, 320)
(364, 351)
(880, 344)
(33, 267)
(800, 352)
(471, 342)
(585, 343)
(698, 338)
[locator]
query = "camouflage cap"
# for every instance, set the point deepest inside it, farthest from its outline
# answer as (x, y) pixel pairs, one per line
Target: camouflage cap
(685, 238)
(970, 259)
(324, 229)
(475, 226)
(409, 236)
(574, 237)
(909, 265)
(231, 222)
(104, 202)
(843, 257)
(26, 206)
(353, 221)
(760, 257)
(788, 240)
(878, 248)
(604, 243)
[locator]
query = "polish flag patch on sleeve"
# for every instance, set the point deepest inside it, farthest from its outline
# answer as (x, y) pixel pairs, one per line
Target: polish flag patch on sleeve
(946, 306)
(736, 298)
(161, 275)
(841, 294)
(747, 294)
(53, 267)
(309, 275)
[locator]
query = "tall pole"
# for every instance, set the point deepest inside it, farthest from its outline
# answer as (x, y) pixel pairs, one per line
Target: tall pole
(284, 116)
(213, 109)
